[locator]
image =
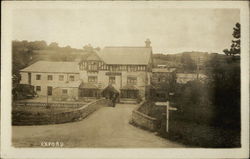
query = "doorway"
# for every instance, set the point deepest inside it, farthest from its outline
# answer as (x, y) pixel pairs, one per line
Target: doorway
(29, 78)
(50, 90)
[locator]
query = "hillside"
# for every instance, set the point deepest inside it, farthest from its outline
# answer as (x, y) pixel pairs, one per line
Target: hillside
(186, 60)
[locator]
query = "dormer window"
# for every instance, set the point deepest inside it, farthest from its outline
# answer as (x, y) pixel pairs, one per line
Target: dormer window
(71, 78)
(50, 77)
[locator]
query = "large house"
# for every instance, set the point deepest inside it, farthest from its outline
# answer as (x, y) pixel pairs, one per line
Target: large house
(126, 69)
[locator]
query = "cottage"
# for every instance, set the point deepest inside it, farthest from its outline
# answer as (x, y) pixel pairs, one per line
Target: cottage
(47, 75)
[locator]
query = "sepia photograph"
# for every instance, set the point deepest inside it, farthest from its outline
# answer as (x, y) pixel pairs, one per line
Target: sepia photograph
(125, 75)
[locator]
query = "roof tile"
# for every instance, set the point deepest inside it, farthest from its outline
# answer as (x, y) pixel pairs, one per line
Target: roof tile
(53, 67)
(126, 55)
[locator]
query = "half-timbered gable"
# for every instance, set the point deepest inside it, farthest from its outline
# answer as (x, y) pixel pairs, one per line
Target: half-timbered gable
(124, 68)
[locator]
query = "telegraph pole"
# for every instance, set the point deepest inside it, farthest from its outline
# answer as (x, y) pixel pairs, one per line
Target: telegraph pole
(197, 67)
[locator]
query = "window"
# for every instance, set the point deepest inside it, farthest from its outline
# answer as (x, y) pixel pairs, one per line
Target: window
(50, 77)
(163, 79)
(112, 80)
(61, 77)
(49, 90)
(132, 68)
(71, 78)
(92, 65)
(132, 80)
(38, 88)
(64, 91)
(141, 68)
(38, 77)
(92, 79)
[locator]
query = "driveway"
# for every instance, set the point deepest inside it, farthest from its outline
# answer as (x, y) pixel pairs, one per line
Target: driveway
(107, 127)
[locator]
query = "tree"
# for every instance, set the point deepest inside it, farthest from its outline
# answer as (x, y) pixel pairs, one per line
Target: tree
(53, 45)
(88, 48)
(235, 47)
(188, 62)
(37, 45)
(97, 48)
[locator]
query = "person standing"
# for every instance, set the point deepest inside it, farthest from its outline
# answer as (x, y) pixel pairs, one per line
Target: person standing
(114, 99)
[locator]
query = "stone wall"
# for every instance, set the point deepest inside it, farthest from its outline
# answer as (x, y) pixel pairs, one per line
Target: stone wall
(142, 120)
(26, 118)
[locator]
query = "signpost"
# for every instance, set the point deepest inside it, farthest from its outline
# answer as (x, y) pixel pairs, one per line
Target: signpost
(168, 108)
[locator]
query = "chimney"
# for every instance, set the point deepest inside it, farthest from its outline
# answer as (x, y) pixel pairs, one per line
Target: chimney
(148, 42)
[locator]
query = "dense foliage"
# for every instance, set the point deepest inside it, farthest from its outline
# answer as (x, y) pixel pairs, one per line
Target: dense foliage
(216, 102)
(235, 46)
(25, 53)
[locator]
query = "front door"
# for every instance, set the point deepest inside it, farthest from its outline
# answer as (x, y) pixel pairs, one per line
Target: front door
(132, 94)
(49, 90)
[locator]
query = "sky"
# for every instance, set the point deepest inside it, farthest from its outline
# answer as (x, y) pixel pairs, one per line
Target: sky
(170, 30)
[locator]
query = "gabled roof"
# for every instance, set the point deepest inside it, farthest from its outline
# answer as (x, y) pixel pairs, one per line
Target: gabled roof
(53, 67)
(109, 88)
(126, 55)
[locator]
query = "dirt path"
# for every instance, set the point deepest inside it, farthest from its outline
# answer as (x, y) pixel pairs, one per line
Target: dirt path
(107, 127)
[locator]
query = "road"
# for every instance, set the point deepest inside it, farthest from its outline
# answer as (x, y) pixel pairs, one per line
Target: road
(107, 127)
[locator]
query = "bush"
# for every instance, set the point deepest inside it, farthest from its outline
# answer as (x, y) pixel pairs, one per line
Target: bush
(193, 101)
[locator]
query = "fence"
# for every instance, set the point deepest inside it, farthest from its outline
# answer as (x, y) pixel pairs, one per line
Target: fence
(25, 118)
(44, 104)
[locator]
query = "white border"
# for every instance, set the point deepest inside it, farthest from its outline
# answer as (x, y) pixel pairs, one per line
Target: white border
(9, 152)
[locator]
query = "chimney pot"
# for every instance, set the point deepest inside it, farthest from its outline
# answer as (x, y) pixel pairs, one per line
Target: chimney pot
(148, 42)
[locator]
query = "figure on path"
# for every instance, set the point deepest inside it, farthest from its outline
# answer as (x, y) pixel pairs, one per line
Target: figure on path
(114, 98)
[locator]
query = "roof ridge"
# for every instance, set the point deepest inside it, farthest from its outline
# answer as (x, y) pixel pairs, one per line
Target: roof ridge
(125, 46)
(54, 61)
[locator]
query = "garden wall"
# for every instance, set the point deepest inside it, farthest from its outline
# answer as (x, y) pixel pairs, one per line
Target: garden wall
(54, 104)
(28, 118)
(142, 120)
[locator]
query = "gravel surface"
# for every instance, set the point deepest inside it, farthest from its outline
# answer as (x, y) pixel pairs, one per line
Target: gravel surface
(107, 127)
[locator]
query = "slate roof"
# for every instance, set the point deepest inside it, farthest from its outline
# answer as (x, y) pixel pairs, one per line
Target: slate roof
(126, 55)
(109, 88)
(53, 67)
